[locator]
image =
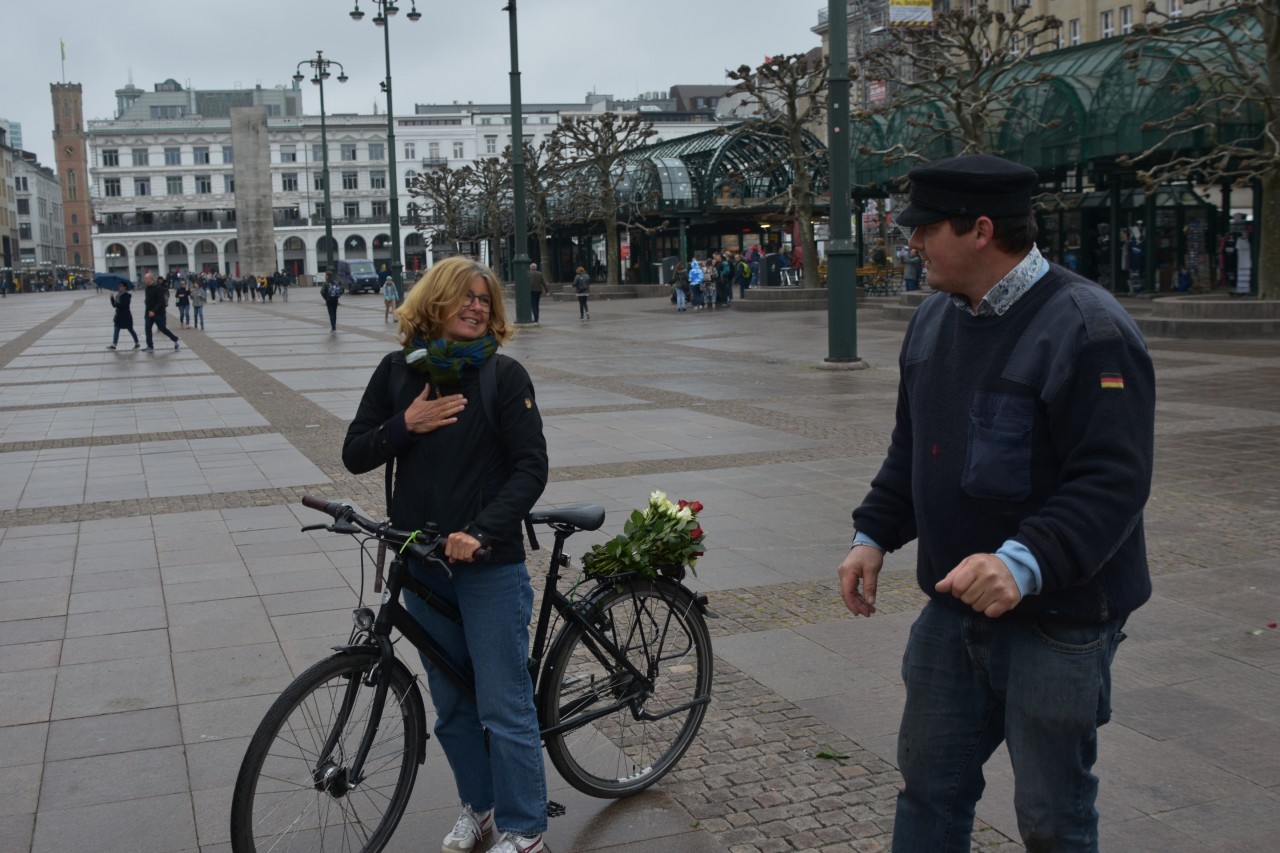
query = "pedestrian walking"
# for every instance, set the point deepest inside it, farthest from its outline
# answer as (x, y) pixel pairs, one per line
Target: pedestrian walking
(332, 292)
(182, 298)
(198, 298)
(123, 317)
(582, 286)
(537, 287)
(478, 480)
(154, 301)
(388, 299)
(1020, 462)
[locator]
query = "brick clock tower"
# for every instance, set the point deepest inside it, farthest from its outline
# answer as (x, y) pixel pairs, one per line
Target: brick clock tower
(72, 157)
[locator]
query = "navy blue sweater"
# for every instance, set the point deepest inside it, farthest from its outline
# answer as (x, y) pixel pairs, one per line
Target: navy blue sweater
(1035, 426)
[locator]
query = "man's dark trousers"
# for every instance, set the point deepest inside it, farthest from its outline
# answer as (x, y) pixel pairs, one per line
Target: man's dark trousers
(159, 322)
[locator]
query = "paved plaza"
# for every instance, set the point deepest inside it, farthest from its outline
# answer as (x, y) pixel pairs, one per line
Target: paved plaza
(156, 593)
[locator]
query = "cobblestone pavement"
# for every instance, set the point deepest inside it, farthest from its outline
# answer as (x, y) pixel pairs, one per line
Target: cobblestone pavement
(156, 594)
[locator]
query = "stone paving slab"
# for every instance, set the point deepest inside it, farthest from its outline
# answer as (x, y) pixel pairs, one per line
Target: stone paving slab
(127, 419)
(152, 469)
(155, 595)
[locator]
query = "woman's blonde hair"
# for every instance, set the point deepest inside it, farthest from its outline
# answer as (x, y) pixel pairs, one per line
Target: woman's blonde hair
(441, 293)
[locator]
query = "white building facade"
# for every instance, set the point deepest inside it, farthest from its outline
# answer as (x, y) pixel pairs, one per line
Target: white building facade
(41, 245)
(163, 185)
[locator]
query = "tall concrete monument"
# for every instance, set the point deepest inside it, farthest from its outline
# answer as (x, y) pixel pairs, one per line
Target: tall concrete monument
(255, 227)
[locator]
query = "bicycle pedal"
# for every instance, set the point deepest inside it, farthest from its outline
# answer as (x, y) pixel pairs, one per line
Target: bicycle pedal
(554, 809)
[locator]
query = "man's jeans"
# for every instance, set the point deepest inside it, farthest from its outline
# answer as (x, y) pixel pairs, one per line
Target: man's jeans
(496, 603)
(972, 682)
(158, 322)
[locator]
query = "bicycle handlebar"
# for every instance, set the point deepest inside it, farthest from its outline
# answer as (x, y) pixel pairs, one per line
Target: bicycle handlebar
(427, 549)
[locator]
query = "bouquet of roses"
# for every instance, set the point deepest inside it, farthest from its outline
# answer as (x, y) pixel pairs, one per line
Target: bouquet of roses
(664, 534)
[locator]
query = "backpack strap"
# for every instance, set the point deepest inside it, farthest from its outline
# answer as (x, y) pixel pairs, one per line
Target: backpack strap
(489, 391)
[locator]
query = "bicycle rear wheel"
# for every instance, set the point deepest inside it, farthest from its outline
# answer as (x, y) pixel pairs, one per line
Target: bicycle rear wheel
(294, 791)
(661, 631)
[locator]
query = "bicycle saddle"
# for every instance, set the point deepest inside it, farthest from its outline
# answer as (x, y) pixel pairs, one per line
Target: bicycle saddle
(581, 516)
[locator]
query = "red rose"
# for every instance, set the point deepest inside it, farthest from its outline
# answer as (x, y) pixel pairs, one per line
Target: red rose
(696, 506)
(682, 504)
(697, 554)
(697, 532)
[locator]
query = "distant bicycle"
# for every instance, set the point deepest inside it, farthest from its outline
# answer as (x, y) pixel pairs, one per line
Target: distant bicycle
(621, 689)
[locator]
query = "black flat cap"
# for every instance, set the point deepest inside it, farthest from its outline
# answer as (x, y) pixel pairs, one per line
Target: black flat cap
(970, 185)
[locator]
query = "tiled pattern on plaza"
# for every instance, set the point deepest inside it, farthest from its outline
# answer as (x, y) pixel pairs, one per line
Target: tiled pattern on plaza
(156, 593)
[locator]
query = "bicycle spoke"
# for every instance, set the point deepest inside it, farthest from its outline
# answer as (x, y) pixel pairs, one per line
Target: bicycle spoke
(636, 728)
(298, 794)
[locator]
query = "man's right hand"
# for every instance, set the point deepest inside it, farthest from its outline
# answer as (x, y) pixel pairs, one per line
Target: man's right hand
(425, 414)
(858, 574)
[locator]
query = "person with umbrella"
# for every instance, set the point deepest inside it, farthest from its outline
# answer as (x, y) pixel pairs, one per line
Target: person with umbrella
(124, 314)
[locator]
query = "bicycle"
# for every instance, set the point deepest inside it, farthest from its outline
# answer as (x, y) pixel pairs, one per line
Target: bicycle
(621, 688)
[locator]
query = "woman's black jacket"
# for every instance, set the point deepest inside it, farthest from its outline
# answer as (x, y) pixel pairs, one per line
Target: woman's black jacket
(124, 314)
(467, 475)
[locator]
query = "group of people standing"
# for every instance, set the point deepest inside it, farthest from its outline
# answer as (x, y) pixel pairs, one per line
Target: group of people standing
(709, 283)
(261, 287)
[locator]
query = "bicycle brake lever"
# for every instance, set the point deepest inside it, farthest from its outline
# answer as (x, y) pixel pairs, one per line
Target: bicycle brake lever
(311, 527)
(343, 527)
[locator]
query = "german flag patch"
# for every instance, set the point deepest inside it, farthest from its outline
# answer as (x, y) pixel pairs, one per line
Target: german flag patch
(1113, 380)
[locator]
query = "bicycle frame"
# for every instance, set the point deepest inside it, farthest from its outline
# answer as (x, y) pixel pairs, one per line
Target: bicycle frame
(393, 615)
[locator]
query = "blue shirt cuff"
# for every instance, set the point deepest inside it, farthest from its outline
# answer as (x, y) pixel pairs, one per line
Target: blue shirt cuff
(1022, 565)
(861, 538)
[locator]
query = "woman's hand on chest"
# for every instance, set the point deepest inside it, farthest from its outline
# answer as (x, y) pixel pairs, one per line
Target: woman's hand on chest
(426, 414)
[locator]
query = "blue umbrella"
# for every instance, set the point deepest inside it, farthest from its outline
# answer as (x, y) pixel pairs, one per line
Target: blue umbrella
(110, 281)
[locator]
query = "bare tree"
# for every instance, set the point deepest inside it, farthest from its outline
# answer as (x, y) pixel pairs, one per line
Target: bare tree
(957, 80)
(491, 204)
(544, 179)
(1224, 66)
(447, 195)
(788, 96)
(593, 150)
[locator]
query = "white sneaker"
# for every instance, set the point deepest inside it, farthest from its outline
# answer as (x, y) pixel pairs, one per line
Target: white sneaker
(511, 843)
(471, 827)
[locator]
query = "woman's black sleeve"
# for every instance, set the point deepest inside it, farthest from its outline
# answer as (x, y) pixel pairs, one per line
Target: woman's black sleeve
(373, 439)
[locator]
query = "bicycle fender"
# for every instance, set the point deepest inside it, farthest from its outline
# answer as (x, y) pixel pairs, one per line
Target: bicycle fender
(415, 692)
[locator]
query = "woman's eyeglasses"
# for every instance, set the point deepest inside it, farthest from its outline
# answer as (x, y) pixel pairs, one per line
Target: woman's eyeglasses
(485, 302)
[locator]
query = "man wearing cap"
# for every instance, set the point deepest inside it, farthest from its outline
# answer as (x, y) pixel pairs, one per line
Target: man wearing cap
(1020, 462)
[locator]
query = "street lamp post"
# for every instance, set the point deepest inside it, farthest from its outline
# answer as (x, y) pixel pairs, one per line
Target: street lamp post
(385, 9)
(520, 261)
(319, 73)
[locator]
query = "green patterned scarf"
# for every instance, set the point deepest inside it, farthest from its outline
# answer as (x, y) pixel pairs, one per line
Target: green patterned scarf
(443, 361)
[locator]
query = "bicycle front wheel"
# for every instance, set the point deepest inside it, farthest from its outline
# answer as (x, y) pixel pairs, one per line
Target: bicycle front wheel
(619, 735)
(296, 789)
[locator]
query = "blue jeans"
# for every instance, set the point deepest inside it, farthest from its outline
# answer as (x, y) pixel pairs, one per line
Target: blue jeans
(680, 299)
(115, 337)
(496, 603)
(183, 313)
(197, 318)
(973, 682)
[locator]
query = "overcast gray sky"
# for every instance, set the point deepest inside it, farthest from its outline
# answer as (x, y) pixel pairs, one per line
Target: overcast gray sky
(457, 51)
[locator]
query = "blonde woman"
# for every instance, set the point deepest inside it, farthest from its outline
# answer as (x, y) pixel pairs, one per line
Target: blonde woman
(477, 480)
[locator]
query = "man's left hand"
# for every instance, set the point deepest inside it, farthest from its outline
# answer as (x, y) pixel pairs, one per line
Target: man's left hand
(983, 582)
